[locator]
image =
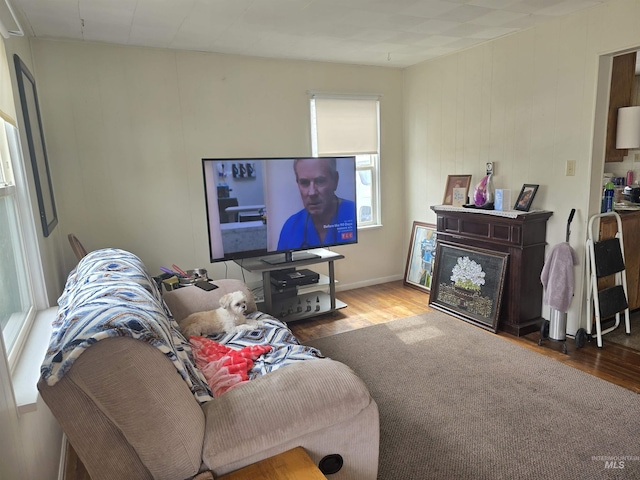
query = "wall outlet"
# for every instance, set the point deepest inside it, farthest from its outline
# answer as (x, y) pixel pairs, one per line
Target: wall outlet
(570, 168)
(490, 167)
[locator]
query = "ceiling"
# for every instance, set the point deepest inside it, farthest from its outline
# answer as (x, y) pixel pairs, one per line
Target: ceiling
(391, 33)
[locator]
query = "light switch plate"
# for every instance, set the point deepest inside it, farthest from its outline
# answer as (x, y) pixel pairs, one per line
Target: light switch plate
(570, 168)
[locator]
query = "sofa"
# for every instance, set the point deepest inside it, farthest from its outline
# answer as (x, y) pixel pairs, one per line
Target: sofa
(121, 380)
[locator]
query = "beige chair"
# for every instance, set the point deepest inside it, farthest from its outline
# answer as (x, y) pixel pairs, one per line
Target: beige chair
(77, 247)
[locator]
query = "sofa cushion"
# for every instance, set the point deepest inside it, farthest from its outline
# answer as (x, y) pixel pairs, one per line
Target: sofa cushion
(273, 409)
(182, 302)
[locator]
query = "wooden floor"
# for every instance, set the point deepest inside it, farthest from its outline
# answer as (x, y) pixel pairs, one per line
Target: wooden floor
(390, 301)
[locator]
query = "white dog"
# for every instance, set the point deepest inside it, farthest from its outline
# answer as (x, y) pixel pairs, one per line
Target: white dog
(228, 318)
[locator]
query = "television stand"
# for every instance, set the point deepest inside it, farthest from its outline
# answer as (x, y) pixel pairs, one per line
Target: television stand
(288, 257)
(297, 302)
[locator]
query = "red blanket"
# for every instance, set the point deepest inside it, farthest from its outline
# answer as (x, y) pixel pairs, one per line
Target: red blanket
(223, 367)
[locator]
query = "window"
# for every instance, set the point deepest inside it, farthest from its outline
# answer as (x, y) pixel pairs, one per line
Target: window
(349, 125)
(17, 301)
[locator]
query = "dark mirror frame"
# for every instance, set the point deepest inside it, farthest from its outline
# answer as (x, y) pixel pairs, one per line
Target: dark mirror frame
(37, 150)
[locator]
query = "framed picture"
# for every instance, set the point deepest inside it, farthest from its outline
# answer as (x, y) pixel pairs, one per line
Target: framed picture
(37, 150)
(468, 283)
(457, 190)
(526, 197)
(422, 249)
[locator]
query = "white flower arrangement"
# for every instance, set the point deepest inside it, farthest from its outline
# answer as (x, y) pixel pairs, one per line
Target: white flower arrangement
(468, 274)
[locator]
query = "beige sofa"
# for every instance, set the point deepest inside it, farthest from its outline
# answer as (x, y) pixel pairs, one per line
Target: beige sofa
(130, 415)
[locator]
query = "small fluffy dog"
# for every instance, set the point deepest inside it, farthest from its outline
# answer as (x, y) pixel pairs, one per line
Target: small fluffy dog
(228, 318)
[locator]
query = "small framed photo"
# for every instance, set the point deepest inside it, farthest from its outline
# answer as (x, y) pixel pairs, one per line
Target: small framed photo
(422, 251)
(526, 197)
(457, 190)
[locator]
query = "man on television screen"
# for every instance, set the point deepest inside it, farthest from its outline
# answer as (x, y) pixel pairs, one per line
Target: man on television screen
(325, 219)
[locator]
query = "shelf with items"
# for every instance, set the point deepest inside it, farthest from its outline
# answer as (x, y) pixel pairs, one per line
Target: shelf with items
(303, 305)
(296, 300)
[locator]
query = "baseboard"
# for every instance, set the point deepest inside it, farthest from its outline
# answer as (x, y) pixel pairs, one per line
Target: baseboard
(367, 283)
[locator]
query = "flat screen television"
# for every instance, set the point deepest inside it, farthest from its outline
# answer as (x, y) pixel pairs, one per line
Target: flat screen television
(279, 208)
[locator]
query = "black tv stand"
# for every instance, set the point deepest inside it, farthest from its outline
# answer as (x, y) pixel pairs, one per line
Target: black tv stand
(288, 257)
(301, 301)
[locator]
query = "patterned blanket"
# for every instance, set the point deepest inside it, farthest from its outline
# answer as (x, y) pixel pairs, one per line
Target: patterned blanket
(110, 294)
(286, 348)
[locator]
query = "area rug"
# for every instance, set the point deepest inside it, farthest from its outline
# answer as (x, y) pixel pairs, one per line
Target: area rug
(459, 402)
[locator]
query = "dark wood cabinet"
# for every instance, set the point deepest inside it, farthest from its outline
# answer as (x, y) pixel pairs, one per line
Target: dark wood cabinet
(520, 234)
(620, 95)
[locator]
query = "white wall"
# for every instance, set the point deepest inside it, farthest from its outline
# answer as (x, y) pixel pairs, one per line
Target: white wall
(528, 103)
(126, 129)
(29, 443)
(50, 247)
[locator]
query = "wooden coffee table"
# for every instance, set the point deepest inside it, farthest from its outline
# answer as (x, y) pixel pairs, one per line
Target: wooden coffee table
(293, 464)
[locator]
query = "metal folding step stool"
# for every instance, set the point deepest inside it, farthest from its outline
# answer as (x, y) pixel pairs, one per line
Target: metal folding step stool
(606, 258)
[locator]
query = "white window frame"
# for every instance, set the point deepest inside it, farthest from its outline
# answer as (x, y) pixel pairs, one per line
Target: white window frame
(26, 238)
(365, 162)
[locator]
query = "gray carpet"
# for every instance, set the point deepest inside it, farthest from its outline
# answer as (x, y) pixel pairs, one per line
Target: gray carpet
(458, 402)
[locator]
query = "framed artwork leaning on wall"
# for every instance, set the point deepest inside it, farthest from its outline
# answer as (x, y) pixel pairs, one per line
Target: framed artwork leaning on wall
(422, 248)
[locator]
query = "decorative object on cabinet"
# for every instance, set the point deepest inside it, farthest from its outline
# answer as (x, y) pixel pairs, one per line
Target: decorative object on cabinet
(620, 95)
(468, 283)
(455, 182)
(483, 193)
(526, 197)
(503, 199)
(523, 237)
(422, 247)
(37, 149)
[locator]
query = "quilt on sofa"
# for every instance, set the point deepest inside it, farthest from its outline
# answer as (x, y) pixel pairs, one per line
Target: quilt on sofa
(110, 294)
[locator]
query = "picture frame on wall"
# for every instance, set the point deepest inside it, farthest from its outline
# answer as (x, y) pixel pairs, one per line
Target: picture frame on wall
(422, 247)
(468, 283)
(456, 190)
(36, 146)
(525, 198)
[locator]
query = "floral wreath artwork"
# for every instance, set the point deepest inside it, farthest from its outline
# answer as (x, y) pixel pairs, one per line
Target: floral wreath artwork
(468, 274)
(468, 283)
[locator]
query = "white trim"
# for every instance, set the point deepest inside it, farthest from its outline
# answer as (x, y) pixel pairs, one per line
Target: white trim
(368, 283)
(27, 370)
(345, 96)
(27, 223)
(62, 466)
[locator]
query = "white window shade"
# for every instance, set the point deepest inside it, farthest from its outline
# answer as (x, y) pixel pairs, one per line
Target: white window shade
(346, 126)
(7, 107)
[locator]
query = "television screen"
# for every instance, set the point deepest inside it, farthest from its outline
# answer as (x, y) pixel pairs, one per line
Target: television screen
(273, 207)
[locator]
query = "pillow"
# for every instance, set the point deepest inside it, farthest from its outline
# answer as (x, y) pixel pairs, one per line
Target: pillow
(184, 301)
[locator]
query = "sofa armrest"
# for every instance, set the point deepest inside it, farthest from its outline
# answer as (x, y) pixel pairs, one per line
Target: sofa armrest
(272, 410)
(128, 413)
(187, 300)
